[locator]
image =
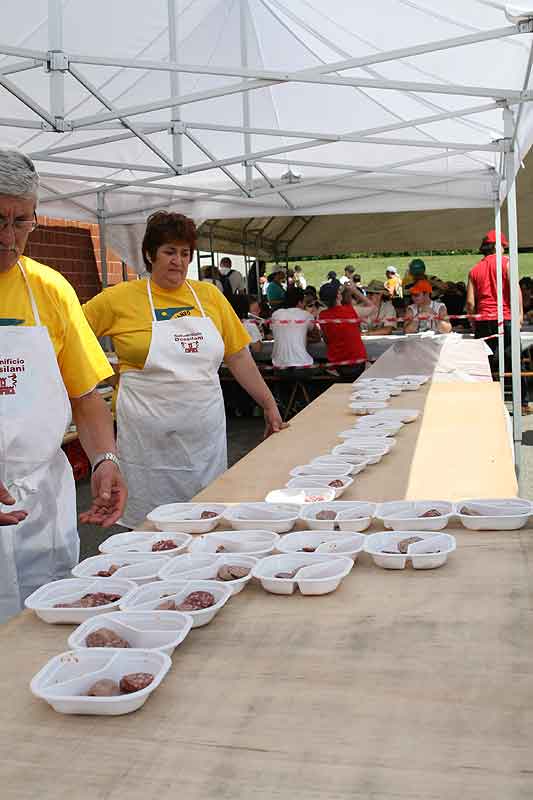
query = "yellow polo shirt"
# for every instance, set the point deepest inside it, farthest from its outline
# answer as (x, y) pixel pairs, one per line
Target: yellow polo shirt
(81, 360)
(123, 312)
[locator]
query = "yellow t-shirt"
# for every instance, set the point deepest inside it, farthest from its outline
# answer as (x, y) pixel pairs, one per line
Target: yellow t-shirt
(81, 360)
(123, 312)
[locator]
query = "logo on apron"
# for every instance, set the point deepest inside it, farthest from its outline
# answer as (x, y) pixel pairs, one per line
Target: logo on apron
(12, 366)
(190, 342)
(174, 312)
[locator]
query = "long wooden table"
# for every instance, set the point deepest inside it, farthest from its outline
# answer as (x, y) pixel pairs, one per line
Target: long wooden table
(399, 686)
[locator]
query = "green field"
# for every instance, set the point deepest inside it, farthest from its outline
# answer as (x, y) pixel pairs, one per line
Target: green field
(448, 268)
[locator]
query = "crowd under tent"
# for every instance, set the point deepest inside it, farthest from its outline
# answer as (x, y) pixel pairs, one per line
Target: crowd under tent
(228, 109)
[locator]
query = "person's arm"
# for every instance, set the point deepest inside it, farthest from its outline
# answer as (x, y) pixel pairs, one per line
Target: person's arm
(10, 517)
(244, 370)
(410, 324)
(95, 429)
(521, 306)
(443, 323)
(385, 331)
(255, 347)
(359, 296)
(470, 297)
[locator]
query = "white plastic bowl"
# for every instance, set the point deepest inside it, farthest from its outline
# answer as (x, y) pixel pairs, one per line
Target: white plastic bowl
(376, 542)
(262, 516)
(338, 543)
(352, 515)
(299, 495)
(137, 567)
(404, 515)
(318, 468)
(373, 424)
(186, 517)
(318, 574)
(370, 440)
(145, 630)
(372, 455)
(257, 543)
(371, 394)
(421, 379)
(398, 414)
(363, 407)
(64, 680)
(204, 566)
(508, 514)
(143, 541)
(365, 433)
(151, 595)
(356, 464)
(68, 590)
(308, 482)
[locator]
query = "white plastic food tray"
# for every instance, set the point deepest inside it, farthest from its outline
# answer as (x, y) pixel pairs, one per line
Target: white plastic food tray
(416, 552)
(356, 464)
(68, 590)
(309, 482)
(508, 514)
(405, 515)
(319, 467)
(317, 574)
(398, 414)
(264, 516)
(145, 630)
(339, 543)
(363, 407)
(204, 566)
(143, 541)
(299, 495)
(186, 517)
(257, 543)
(352, 515)
(149, 596)
(66, 678)
(137, 567)
(371, 454)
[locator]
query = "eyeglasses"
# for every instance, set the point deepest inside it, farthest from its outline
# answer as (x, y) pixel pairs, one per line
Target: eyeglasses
(20, 225)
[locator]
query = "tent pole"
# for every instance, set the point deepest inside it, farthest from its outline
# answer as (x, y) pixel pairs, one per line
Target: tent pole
(245, 95)
(177, 144)
(57, 76)
(499, 291)
(102, 231)
(516, 354)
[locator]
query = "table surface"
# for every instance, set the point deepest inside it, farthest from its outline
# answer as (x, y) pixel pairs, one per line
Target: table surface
(405, 685)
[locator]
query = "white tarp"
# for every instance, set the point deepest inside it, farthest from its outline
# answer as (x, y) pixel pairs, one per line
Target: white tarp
(350, 106)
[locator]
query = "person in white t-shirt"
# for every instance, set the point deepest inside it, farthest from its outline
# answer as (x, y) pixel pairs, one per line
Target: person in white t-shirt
(244, 306)
(291, 326)
(299, 277)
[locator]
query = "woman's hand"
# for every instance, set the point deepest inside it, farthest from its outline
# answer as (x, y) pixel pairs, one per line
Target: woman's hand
(273, 421)
(12, 517)
(109, 496)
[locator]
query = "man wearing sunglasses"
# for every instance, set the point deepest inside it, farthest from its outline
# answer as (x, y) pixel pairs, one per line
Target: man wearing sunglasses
(50, 364)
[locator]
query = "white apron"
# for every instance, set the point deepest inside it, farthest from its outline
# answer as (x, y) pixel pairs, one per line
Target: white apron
(171, 424)
(34, 414)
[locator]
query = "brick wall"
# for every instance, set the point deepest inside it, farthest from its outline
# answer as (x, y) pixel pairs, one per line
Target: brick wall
(73, 248)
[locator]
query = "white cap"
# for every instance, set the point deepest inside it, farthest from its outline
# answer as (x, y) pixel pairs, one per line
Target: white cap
(392, 269)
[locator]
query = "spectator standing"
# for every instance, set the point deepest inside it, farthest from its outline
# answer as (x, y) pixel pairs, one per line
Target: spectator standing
(291, 326)
(275, 292)
(349, 274)
(253, 288)
(425, 314)
(393, 282)
(232, 281)
(345, 348)
(299, 278)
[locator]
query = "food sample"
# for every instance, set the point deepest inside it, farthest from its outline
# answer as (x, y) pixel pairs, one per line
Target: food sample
(404, 544)
(327, 513)
(208, 514)
(91, 600)
(336, 484)
(106, 573)
(104, 688)
(286, 574)
(220, 549)
(167, 605)
(307, 549)
(432, 512)
(469, 512)
(135, 681)
(105, 637)
(196, 601)
(229, 572)
(163, 544)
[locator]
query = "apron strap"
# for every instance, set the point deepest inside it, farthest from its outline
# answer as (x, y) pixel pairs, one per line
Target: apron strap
(151, 299)
(36, 317)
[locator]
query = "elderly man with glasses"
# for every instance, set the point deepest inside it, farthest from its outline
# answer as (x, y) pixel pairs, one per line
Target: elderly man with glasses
(50, 365)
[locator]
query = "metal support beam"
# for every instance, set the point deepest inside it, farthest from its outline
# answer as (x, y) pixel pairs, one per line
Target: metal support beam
(57, 76)
(499, 291)
(216, 163)
(102, 230)
(28, 101)
(516, 353)
(246, 119)
(175, 116)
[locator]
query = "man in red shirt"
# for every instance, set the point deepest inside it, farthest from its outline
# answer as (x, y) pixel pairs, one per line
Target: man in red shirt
(343, 336)
(482, 298)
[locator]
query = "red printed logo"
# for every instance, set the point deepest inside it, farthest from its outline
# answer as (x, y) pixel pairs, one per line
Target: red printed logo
(11, 366)
(190, 342)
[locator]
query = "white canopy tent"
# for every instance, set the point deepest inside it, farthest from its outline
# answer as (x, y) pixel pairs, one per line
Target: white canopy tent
(260, 108)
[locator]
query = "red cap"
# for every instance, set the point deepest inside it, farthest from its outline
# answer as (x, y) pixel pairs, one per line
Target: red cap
(421, 286)
(490, 238)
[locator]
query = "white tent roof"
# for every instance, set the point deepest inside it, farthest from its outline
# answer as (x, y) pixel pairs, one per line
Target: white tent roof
(260, 108)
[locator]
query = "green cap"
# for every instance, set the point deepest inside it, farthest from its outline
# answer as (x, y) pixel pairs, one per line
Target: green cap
(417, 267)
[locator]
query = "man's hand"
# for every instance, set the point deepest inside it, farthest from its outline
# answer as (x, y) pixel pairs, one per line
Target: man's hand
(13, 517)
(273, 421)
(109, 496)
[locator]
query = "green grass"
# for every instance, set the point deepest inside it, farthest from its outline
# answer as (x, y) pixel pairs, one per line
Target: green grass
(448, 268)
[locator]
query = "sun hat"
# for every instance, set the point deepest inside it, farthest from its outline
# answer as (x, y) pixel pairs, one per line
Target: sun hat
(391, 269)
(375, 287)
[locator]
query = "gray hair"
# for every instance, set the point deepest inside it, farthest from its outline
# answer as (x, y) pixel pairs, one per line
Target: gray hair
(18, 176)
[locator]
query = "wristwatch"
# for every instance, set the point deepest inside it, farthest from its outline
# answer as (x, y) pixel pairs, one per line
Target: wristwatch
(100, 457)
